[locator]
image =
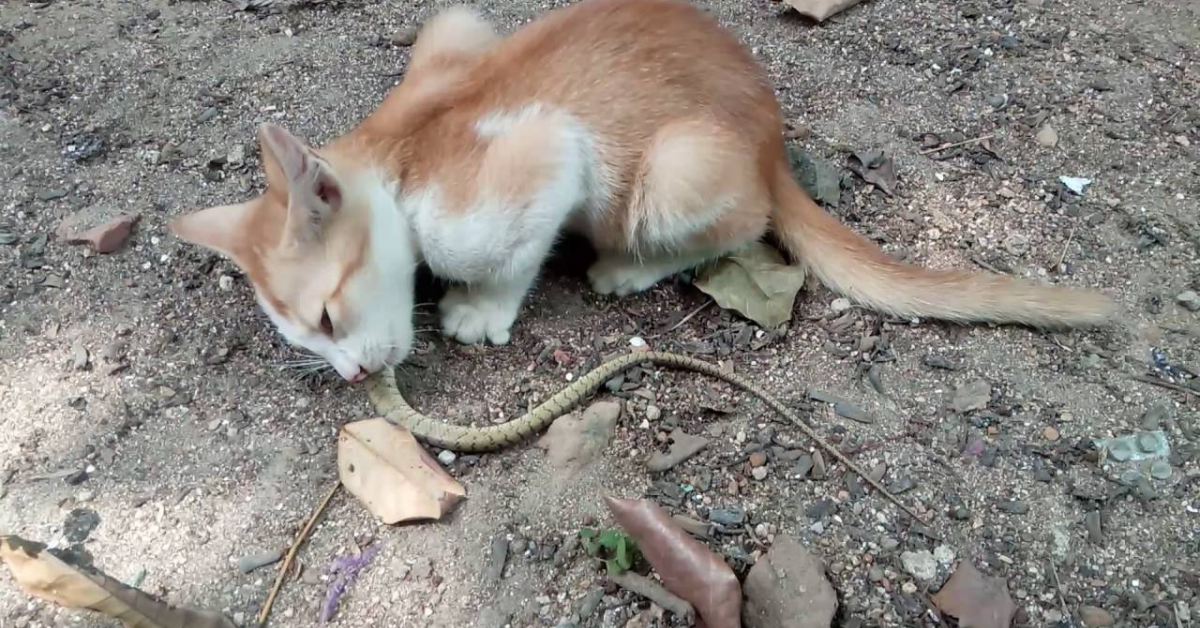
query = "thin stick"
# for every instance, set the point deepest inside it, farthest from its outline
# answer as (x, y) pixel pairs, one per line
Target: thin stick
(1168, 385)
(1058, 588)
(654, 592)
(1063, 257)
(981, 138)
(683, 320)
(291, 554)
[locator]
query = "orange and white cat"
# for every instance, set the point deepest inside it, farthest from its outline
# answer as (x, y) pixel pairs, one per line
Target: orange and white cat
(640, 124)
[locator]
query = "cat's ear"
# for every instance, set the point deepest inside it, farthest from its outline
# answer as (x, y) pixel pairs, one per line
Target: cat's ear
(314, 193)
(220, 228)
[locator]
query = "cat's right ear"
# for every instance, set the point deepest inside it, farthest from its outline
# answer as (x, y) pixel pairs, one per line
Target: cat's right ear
(219, 228)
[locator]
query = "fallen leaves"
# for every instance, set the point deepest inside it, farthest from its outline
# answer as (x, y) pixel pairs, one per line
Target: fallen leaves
(818, 177)
(387, 470)
(976, 600)
(686, 566)
(821, 10)
(756, 282)
(41, 573)
(876, 168)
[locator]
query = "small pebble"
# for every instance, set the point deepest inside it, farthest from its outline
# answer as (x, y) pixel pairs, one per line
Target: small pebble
(840, 304)
(1050, 433)
(759, 473)
(225, 283)
(1189, 299)
(255, 561)
(758, 459)
(1160, 470)
(1094, 617)
(653, 413)
(1047, 137)
(447, 457)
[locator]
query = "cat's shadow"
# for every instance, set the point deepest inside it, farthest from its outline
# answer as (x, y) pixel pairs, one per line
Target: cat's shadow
(569, 260)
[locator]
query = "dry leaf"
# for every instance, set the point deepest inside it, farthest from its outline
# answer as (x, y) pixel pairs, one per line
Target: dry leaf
(820, 10)
(41, 573)
(817, 176)
(975, 599)
(687, 567)
(876, 168)
(755, 282)
(391, 473)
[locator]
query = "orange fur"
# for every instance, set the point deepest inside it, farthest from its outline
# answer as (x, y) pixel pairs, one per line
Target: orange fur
(640, 123)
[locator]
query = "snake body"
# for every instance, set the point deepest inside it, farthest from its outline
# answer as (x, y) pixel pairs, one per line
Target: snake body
(386, 397)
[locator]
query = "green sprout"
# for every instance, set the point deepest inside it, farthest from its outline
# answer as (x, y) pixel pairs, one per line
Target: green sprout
(614, 548)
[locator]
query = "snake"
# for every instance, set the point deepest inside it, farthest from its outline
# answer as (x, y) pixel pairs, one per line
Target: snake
(384, 394)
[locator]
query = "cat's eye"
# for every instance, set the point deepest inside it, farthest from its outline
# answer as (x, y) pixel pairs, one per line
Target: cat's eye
(326, 322)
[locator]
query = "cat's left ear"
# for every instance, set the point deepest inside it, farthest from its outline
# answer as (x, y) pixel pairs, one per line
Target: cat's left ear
(313, 191)
(221, 228)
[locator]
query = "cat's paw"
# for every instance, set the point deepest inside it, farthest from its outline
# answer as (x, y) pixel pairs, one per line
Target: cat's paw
(472, 319)
(622, 277)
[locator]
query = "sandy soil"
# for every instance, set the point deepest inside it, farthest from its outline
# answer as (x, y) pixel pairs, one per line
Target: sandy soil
(196, 449)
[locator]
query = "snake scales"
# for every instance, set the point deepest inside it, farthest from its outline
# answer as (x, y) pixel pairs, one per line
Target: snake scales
(385, 396)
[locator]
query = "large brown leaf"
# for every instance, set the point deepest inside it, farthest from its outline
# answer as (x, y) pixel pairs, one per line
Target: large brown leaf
(42, 574)
(387, 470)
(978, 601)
(687, 567)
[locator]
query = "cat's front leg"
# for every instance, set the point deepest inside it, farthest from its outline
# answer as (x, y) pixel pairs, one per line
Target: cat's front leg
(484, 311)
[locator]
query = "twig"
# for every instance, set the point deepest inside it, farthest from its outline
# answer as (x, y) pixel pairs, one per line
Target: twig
(1063, 257)
(981, 138)
(1058, 589)
(291, 554)
(683, 320)
(654, 592)
(1168, 385)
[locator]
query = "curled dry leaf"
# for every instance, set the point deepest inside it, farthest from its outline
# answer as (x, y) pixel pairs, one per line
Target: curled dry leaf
(821, 10)
(756, 282)
(387, 470)
(687, 567)
(41, 573)
(978, 601)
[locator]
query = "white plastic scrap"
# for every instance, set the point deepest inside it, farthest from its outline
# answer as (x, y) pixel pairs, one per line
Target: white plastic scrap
(1075, 184)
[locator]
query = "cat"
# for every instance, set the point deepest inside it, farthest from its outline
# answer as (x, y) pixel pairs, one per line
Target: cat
(642, 125)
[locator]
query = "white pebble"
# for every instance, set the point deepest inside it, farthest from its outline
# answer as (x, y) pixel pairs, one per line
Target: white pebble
(447, 457)
(637, 341)
(225, 282)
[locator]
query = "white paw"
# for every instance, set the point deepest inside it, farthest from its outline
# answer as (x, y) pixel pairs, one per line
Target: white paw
(472, 319)
(621, 277)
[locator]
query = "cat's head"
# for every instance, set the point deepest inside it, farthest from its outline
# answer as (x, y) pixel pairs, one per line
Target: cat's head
(326, 251)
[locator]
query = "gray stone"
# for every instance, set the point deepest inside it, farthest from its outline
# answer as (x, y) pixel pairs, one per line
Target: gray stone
(922, 565)
(787, 588)
(256, 561)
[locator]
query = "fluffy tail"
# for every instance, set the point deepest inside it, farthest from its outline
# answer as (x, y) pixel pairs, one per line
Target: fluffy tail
(852, 265)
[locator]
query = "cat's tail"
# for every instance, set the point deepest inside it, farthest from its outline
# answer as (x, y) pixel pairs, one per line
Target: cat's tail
(852, 265)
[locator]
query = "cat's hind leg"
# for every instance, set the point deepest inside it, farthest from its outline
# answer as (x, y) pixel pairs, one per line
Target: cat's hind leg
(699, 195)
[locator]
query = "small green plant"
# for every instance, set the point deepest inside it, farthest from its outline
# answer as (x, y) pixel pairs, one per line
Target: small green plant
(614, 548)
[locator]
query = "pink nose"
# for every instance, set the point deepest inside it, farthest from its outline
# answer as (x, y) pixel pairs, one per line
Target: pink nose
(359, 376)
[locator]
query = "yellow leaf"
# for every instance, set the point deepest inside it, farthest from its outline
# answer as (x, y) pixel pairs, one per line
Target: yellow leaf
(386, 469)
(42, 574)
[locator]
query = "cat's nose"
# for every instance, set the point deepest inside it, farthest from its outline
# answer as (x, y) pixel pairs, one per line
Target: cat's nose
(360, 376)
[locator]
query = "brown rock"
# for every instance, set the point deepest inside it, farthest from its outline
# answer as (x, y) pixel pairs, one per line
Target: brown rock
(1050, 433)
(104, 238)
(758, 459)
(787, 588)
(1095, 617)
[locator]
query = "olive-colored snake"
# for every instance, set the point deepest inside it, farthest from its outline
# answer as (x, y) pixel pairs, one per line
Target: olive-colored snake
(386, 397)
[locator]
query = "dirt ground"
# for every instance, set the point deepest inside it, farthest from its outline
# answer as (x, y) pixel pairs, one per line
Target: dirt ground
(144, 387)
